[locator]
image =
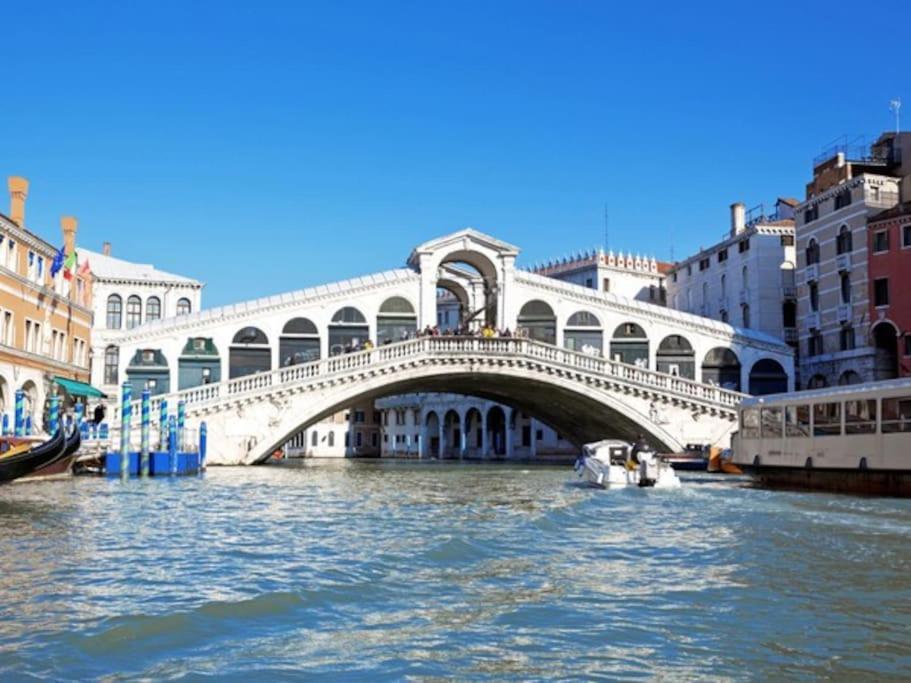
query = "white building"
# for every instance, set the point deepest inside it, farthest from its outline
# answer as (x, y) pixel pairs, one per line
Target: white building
(127, 295)
(747, 278)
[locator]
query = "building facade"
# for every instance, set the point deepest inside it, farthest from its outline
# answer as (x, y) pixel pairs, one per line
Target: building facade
(889, 247)
(747, 279)
(128, 295)
(45, 320)
(850, 186)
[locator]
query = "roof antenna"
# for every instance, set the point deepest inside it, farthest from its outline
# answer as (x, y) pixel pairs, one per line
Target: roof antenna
(896, 105)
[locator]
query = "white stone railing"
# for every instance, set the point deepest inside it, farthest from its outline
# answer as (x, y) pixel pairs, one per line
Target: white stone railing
(449, 348)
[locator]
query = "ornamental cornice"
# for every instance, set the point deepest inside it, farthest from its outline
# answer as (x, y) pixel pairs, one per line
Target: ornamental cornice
(144, 282)
(862, 179)
(25, 236)
(657, 313)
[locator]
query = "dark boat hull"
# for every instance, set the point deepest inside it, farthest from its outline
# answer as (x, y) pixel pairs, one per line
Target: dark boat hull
(865, 482)
(62, 466)
(44, 454)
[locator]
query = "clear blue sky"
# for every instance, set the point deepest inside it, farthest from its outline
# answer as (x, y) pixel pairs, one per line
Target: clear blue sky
(265, 147)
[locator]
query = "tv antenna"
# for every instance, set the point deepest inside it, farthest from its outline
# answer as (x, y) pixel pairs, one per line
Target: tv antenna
(896, 105)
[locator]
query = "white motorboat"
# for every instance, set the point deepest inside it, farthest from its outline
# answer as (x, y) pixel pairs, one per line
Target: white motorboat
(610, 464)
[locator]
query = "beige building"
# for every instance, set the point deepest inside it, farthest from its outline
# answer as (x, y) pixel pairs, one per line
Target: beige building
(850, 185)
(45, 321)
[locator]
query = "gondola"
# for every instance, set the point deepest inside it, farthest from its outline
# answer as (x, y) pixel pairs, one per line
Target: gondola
(63, 465)
(40, 456)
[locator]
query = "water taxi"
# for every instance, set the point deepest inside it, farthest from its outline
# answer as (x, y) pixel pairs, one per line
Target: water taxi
(852, 439)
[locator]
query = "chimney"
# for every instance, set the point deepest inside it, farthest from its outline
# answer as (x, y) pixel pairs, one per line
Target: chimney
(738, 218)
(68, 226)
(106, 248)
(18, 191)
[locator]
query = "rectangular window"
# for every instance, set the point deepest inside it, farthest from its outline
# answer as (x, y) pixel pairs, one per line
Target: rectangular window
(743, 245)
(722, 256)
(787, 240)
(847, 338)
(842, 199)
(704, 264)
(607, 284)
(811, 213)
(827, 419)
(359, 416)
(880, 241)
(860, 417)
(906, 236)
(908, 345)
(590, 282)
(896, 415)
(7, 328)
(881, 291)
(797, 421)
(771, 423)
(749, 423)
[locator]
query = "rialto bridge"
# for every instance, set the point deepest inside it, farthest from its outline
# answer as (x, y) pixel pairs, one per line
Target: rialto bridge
(590, 364)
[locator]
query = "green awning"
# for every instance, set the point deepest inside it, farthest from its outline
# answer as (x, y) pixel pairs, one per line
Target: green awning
(76, 388)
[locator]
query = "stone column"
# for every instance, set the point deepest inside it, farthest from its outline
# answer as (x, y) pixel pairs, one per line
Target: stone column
(442, 430)
(509, 436)
(484, 436)
(534, 436)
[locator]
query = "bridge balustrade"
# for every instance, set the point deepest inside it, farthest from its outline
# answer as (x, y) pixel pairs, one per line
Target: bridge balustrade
(327, 368)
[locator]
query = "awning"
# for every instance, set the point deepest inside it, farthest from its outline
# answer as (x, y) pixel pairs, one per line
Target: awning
(77, 388)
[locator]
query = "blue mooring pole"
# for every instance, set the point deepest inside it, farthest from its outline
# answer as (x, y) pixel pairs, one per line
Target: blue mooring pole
(54, 415)
(146, 424)
(19, 418)
(181, 423)
(203, 438)
(5, 424)
(126, 415)
(172, 444)
(163, 425)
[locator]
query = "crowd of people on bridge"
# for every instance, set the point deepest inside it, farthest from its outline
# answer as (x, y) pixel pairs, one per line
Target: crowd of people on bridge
(485, 332)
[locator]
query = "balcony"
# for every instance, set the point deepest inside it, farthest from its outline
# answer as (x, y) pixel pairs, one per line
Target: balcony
(843, 263)
(811, 272)
(814, 320)
(845, 313)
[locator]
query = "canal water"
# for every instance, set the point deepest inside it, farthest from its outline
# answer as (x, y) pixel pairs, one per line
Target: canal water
(428, 571)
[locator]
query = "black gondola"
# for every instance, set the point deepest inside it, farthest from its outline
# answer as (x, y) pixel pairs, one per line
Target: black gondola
(42, 455)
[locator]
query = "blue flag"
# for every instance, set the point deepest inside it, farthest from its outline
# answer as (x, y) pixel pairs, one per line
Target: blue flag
(58, 262)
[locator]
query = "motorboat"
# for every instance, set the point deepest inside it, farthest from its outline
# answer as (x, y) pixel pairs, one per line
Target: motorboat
(17, 462)
(611, 463)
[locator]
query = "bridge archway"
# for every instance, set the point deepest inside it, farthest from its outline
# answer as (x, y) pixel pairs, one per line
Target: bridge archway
(452, 435)
(431, 438)
(396, 321)
(496, 431)
(348, 330)
(474, 431)
(583, 333)
(249, 353)
(721, 367)
(537, 321)
(768, 377)
(453, 304)
(630, 344)
(299, 342)
(675, 356)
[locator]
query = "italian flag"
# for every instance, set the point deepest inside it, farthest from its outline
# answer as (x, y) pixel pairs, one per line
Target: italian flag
(69, 265)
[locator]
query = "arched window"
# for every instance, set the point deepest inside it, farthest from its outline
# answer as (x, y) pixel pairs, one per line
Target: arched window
(844, 243)
(722, 367)
(183, 306)
(537, 321)
(583, 333)
(675, 356)
(396, 320)
(849, 377)
(817, 382)
(134, 312)
(331, 439)
(111, 361)
(299, 342)
(812, 252)
(115, 311)
(630, 345)
(767, 376)
(153, 308)
(249, 353)
(348, 331)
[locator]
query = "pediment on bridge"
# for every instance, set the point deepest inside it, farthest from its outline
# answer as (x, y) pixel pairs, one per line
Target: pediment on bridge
(465, 240)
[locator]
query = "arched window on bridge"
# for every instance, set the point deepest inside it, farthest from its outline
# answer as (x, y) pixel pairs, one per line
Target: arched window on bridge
(537, 321)
(431, 445)
(675, 356)
(767, 376)
(583, 333)
(347, 331)
(496, 432)
(396, 321)
(249, 353)
(630, 345)
(299, 342)
(148, 369)
(198, 364)
(722, 368)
